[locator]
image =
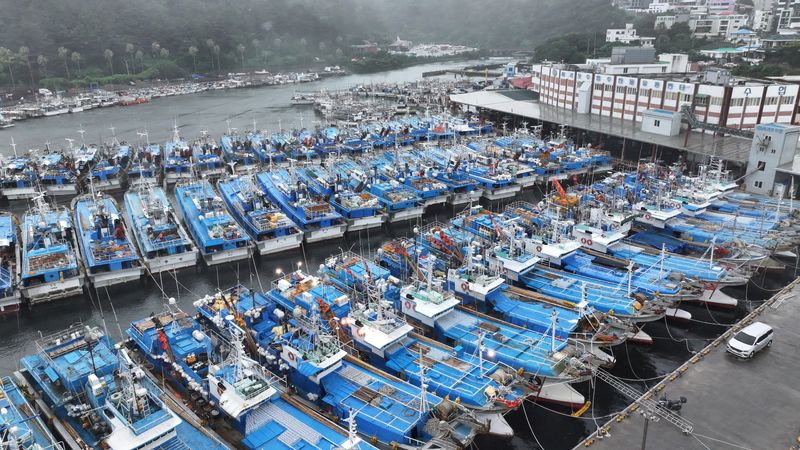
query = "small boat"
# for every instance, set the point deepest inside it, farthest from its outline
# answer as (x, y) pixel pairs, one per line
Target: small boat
(315, 216)
(18, 179)
(57, 175)
(267, 226)
(219, 238)
(21, 427)
(50, 266)
(158, 234)
(99, 398)
(9, 264)
(105, 243)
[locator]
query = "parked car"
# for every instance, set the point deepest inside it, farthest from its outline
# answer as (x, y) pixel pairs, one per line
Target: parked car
(750, 340)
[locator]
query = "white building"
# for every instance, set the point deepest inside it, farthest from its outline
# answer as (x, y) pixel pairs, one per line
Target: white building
(787, 16)
(741, 105)
(717, 25)
(625, 35)
(659, 7)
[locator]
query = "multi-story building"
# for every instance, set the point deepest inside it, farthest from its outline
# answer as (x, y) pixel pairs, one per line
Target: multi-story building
(787, 16)
(624, 35)
(736, 104)
(717, 25)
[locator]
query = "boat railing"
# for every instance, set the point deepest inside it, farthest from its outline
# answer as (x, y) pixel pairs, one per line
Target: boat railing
(76, 332)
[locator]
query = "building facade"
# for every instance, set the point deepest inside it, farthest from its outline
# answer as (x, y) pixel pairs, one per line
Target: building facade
(624, 96)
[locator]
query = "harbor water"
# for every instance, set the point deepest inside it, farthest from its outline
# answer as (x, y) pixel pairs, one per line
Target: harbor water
(114, 308)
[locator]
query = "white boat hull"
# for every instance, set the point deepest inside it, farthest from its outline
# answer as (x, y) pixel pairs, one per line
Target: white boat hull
(213, 173)
(279, 244)
(107, 185)
(174, 177)
(19, 193)
(172, 262)
(407, 214)
(236, 254)
(332, 232)
(497, 424)
(47, 292)
(62, 189)
(501, 193)
(465, 197)
(362, 223)
(527, 181)
(679, 315)
(105, 279)
(560, 393)
(718, 299)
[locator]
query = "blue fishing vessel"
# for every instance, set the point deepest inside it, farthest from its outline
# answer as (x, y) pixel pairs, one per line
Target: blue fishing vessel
(239, 153)
(10, 299)
(400, 201)
(18, 179)
(249, 398)
(315, 216)
(145, 165)
(50, 266)
(158, 233)
(104, 242)
(20, 427)
(217, 235)
(84, 158)
(98, 397)
(177, 159)
(107, 174)
(463, 188)
(57, 176)
(207, 156)
(270, 229)
(266, 152)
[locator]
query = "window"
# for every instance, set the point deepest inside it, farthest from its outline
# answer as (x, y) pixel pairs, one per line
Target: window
(644, 92)
(686, 98)
(762, 165)
(771, 101)
(737, 101)
(620, 89)
(656, 123)
(656, 93)
(625, 70)
(631, 91)
(753, 101)
(608, 87)
(758, 184)
(787, 100)
(664, 69)
(716, 101)
(671, 96)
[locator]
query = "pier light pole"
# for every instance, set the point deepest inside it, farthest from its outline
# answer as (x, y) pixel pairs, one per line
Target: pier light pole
(648, 416)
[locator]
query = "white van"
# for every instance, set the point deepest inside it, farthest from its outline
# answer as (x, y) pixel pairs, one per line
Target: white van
(750, 340)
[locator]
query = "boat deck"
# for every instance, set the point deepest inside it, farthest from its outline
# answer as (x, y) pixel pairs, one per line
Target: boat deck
(732, 403)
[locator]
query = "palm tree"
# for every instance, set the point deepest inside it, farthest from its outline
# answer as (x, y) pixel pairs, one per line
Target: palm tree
(109, 56)
(164, 53)
(210, 45)
(25, 55)
(155, 47)
(140, 57)
(216, 52)
(77, 58)
(193, 53)
(8, 59)
(63, 53)
(41, 61)
(129, 48)
(241, 49)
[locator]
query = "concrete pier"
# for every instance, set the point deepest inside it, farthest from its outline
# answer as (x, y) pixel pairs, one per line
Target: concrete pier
(731, 403)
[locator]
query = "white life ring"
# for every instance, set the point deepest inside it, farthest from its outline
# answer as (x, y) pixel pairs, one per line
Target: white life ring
(409, 305)
(583, 240)
(648, 216)
(589, 242)
(538, 248)
(465, 286)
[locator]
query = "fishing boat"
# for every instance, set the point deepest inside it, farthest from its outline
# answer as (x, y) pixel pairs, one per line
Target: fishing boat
(249, 398)
(315, 216)
(463, 188)
(159, 235)
(108, 174)
(217, 235)
(20, 426)
(207, 156)
(105, 244)
(56, 175)
(400, 201)
(177, 160)
(145, 165)
(98, 397)
(18, 179)
(84, 157)
(266, 152)
(10, 299)
(50, 266)
(239, 154)
(270, 229)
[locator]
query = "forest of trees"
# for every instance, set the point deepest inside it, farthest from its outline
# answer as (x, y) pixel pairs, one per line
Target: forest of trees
(75, 42)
